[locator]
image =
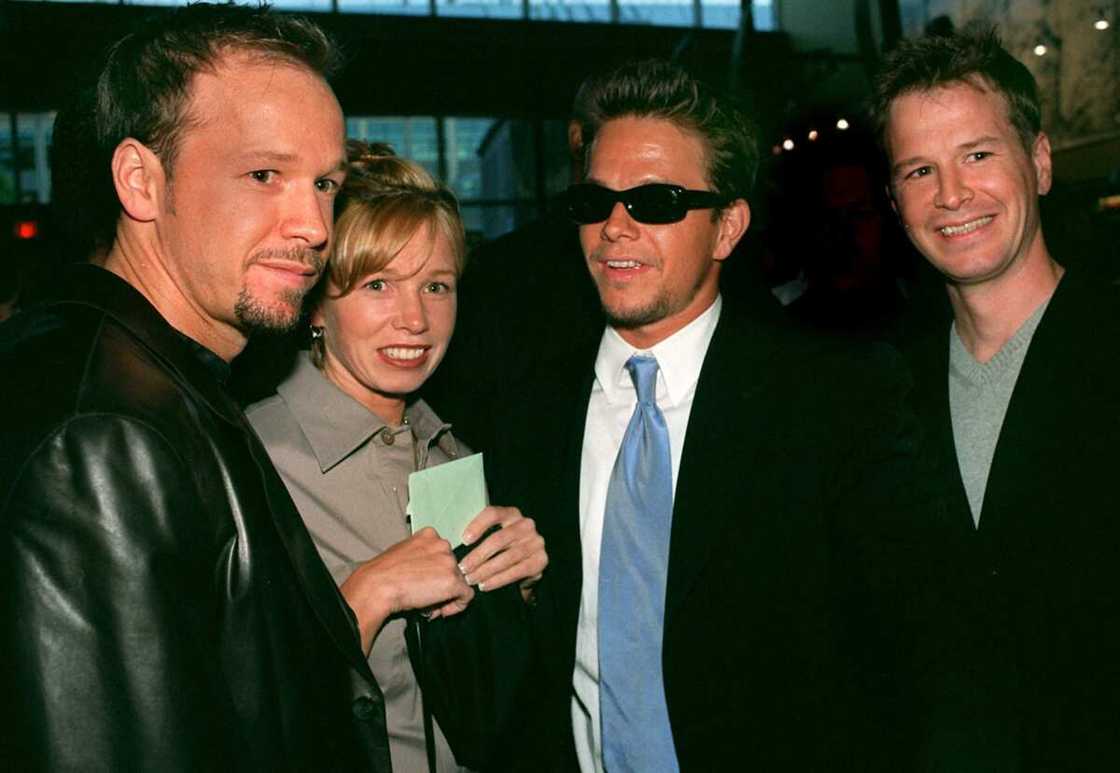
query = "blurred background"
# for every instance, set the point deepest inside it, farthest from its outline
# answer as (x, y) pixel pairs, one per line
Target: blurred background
(479, 92)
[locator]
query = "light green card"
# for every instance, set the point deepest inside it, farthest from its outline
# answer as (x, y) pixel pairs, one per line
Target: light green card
(447, 497)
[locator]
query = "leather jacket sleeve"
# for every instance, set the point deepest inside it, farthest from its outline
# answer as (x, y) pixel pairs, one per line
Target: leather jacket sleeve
(108, 562)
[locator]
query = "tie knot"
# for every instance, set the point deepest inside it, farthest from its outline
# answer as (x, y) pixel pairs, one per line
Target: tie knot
(643, 372)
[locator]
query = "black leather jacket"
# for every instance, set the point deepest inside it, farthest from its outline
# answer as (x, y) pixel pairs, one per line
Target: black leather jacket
(163, 606)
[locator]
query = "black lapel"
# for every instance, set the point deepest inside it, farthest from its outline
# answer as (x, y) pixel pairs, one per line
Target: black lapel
(929, 363)
(726, 431)
(1033, 417)
(569, 413)
(318, 586)
(95, 286)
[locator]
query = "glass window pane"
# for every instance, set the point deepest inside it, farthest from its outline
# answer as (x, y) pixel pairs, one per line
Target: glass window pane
(570, 10)
(489, 9)
(765, 15)
(400, 7)
(665, 13)
(411, 137)
(915, 16)
(321, 6)
(33, 160)
(508, 162)
(7, 165)
(490, 221)
(463, 138)
(283, 5)
(557, 157)
(722, 14)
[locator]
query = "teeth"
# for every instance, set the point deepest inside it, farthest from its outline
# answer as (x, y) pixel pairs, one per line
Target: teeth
(967, 228)
(623, 263)
(403, 352)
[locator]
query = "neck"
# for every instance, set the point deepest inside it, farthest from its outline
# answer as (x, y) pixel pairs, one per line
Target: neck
(988, 314)
(648, 336)
(388, 408)
(138, 262)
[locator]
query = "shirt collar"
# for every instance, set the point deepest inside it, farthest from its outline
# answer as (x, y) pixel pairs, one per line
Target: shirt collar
(334, 423)
(679, 358)
(219, 368)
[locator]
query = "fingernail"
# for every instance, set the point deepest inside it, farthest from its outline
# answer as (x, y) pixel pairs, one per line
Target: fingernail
(482, 586)
(467, 579)
(468, 538)
(462, 570)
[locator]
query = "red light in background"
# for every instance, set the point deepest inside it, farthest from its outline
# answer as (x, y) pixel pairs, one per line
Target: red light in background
(27, 229)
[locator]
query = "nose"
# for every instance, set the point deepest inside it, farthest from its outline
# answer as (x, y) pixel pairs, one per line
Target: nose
(410, 315)
(619, 224)
(308, 218)
(952, 190)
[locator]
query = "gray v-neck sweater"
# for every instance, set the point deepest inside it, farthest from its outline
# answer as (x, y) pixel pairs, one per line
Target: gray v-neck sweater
(979, 393)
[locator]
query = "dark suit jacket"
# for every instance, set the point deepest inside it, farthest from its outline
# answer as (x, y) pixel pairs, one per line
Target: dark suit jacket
(163, 605)
(794, 474)
(1023, 663)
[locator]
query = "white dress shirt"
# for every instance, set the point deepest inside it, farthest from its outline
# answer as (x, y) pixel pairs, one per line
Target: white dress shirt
(613, 398)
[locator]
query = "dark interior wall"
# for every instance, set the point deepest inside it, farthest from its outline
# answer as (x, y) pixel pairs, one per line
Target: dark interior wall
(395, 65)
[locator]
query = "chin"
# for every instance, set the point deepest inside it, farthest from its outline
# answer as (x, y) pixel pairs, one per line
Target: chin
(634, 316)
(397, 386)
(279, 316)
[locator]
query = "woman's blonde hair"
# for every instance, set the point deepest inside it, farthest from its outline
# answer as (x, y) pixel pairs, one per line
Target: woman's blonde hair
(384, 202)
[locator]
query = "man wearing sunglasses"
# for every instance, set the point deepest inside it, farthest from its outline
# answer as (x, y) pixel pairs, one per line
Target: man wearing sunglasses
(697, 475)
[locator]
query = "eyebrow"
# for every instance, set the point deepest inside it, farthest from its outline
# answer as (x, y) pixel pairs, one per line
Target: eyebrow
(391, 273)
(987, 139)
(268, 155)
(278, 157)
(647, 180)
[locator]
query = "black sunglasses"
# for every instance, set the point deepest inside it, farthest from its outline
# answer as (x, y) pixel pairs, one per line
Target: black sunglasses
(653, 204)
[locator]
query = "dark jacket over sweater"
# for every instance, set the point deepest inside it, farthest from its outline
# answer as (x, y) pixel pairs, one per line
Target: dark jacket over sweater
(1022, 653)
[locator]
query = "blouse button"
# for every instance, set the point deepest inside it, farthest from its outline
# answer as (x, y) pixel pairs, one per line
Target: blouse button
(387, 437)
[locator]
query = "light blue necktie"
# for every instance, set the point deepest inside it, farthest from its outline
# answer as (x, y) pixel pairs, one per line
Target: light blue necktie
(633, 564)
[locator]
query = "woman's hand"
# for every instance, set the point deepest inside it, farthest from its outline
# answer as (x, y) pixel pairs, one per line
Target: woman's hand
(513, 553)
(417, 573)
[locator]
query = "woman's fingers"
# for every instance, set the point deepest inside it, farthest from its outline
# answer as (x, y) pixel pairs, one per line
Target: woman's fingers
(516, 552)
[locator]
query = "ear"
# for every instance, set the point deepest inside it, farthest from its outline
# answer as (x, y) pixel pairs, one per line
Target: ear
(1040, 155)
(139, 180)
(733, 222)
(316, 318)
(890, 197)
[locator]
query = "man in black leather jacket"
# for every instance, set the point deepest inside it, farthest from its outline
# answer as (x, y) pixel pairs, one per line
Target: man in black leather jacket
(163, 607)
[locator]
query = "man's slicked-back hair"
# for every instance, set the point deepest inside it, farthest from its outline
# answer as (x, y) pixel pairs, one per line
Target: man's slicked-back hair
(659, 89)
(974, 56)
(144, 89)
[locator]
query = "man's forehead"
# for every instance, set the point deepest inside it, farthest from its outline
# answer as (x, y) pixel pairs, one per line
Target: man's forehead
(258, 111)
(244, 83)
(974, 84)
(658, 142)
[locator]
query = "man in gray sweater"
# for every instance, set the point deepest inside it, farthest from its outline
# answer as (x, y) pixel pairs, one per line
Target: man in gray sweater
(1021, 601)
